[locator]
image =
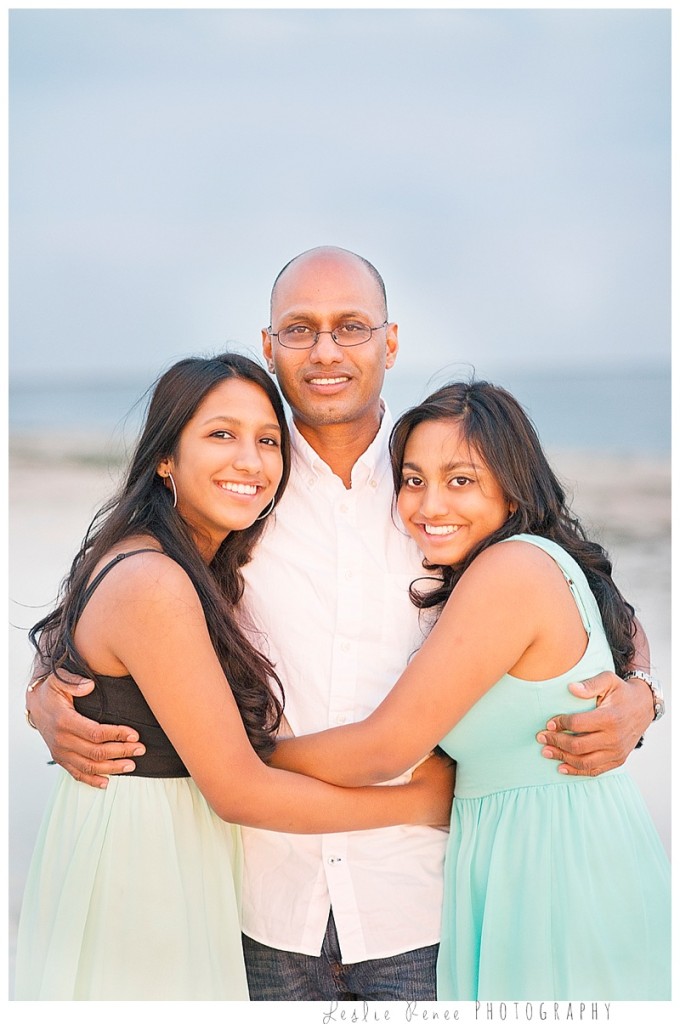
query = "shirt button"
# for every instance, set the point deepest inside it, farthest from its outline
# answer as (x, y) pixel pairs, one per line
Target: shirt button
(341, 719)
(344, 508)
(311, 481)
(344, 646)
(335, 860)
(374, 483)
(349, 574)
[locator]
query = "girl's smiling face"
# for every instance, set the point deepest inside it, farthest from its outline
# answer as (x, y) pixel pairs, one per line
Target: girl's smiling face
(228, 462)
(448, 500)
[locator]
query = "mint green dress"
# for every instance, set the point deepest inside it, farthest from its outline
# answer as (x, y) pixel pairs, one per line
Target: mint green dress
(556, 887)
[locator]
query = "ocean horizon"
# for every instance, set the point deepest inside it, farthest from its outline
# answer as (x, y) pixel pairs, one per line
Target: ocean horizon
(617, 410)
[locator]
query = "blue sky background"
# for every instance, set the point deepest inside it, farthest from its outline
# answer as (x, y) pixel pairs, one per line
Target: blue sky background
(508, 171)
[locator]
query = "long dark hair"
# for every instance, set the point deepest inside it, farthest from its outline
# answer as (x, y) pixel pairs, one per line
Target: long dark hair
(143, 505)
(495, 424)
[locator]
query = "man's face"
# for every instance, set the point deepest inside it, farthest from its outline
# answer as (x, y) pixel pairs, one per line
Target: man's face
(329, 384)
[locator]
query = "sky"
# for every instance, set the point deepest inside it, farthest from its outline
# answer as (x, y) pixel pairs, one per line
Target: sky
(507, 170)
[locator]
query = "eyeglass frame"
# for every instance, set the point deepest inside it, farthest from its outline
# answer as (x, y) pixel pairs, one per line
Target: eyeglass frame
(306, 348)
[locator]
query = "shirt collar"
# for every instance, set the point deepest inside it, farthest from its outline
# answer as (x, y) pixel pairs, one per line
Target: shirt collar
(371, 464)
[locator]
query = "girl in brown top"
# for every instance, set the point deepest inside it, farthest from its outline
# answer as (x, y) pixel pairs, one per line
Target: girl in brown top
(134, 887)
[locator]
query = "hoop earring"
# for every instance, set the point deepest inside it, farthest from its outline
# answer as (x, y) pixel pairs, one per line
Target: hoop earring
(174, 489)
(263, 515)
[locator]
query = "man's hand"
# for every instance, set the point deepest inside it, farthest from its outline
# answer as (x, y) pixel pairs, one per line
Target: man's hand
(596, 741)
(87, 750)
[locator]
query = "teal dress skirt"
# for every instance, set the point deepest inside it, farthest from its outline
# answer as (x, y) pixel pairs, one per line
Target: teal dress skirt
(134, 890)
(556, 887)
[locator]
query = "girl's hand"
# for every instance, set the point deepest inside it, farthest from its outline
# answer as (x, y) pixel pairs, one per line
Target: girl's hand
(434, 780)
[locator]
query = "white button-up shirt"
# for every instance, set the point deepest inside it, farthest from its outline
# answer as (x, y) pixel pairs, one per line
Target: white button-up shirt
(328, 588)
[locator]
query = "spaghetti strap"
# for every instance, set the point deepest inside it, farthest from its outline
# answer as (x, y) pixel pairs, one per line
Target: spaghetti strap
(92, 586)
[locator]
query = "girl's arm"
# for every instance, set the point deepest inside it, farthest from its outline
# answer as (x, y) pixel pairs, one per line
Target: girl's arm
(508, 603)
(145, 618)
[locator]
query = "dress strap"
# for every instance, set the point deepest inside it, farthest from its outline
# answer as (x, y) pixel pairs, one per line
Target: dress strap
(92, 586)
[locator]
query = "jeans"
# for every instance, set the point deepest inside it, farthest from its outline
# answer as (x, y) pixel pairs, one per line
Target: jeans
(275, 974)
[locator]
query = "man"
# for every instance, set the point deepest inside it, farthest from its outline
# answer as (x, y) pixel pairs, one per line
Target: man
(348, 916)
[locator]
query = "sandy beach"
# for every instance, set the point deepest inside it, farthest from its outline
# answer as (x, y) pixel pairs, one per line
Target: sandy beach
(56, 487)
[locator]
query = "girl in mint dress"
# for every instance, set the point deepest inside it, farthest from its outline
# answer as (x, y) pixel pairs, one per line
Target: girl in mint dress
(556, 885)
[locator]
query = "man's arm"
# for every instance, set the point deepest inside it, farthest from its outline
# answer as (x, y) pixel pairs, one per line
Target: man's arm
(596, 741)
(87, 750)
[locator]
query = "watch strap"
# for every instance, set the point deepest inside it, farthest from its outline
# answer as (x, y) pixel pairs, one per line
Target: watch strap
(655, 687)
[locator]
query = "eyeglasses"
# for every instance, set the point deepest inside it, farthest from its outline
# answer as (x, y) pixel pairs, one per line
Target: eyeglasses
(346, 334)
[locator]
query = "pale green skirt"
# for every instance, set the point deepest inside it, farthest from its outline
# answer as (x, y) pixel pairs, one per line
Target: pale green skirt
(133, 893)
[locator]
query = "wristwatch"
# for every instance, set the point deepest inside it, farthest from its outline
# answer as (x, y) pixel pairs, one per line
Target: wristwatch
(654, 686)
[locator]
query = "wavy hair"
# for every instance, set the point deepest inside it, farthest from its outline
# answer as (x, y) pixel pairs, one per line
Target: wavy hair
(143, 505)
(494, 423)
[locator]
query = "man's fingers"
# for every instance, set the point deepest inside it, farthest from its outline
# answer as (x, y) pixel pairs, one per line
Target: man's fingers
(63, 679)
(571, 743)
(560, 723)
(96, 733)
(90, 751)
(95, 775)
(96, 781)
(93, 761)
(598, 740)
(75, 685)
(94, 770)
(584, 754)
(110, 753)
(113, 767)
(578, 760)
(587, 722)
(584, 767)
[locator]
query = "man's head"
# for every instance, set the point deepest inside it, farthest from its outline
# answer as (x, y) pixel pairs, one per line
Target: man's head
(330, 384)
(331, 250)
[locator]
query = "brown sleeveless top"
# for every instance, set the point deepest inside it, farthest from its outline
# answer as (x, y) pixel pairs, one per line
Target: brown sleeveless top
(117, 700)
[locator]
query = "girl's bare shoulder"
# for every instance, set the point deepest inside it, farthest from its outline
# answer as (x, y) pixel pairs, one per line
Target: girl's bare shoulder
(517, 562)
(140, 570)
